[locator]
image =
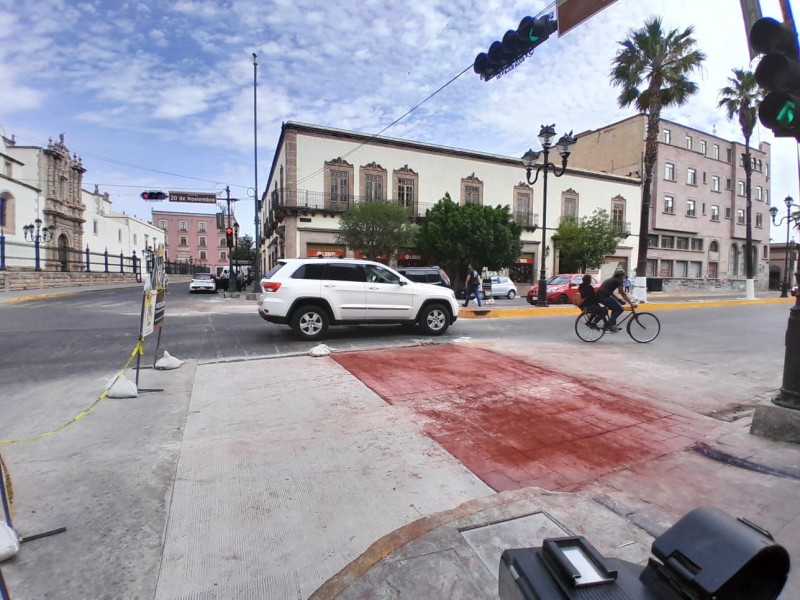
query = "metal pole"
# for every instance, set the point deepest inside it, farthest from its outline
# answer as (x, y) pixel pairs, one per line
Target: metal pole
(785, 288)
(2, 251)
(542, 298)
(230, 250)
(256, 200)
(36, 246)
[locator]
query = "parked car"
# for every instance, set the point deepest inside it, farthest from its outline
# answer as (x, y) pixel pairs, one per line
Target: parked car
(312, 294)
(794, 291)
(434, 275)
(560, 288)
(202, 282)
(500, 287)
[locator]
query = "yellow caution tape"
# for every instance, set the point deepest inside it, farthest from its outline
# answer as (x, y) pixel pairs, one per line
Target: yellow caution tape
(8, 486)
(139, 349)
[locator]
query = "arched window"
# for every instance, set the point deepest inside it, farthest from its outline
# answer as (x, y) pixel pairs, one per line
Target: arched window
(713, 246)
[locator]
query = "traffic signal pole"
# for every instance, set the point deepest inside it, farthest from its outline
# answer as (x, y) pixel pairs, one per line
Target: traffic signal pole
(229, 239)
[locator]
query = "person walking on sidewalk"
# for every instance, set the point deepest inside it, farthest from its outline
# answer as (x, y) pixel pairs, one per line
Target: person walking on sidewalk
(472, 285)
(605, 295)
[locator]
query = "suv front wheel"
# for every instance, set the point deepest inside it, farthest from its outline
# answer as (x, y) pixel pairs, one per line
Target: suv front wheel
(310, 322)
(434, 319)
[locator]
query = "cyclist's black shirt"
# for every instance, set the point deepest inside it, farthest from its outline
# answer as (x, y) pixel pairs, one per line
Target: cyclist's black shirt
(609, 286)
(587, 293)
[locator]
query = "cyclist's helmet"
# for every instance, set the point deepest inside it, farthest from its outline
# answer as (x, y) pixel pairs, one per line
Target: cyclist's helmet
(619, 273)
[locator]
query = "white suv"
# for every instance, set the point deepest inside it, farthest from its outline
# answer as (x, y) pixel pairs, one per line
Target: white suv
(312, 293)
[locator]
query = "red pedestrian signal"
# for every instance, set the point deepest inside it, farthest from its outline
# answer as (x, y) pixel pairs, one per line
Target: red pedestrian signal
(229, 236)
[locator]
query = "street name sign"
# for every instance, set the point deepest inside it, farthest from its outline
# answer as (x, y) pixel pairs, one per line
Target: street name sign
(205, 198)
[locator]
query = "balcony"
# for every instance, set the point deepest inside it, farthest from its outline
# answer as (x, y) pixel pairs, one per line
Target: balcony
(622, 227)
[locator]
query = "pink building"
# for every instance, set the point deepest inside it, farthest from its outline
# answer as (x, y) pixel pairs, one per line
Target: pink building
(193, 238)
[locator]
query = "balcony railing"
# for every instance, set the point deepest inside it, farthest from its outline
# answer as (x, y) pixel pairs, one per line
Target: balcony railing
(622, 227)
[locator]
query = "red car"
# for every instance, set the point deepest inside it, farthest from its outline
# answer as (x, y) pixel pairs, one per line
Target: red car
(560, 288)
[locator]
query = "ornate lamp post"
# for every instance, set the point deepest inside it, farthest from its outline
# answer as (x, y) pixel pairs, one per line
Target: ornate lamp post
(789, 220)
(42, 234)
(530, 162)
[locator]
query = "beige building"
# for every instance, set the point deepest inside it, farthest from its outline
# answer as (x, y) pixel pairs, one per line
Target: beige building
(318, 172)
(698, 206)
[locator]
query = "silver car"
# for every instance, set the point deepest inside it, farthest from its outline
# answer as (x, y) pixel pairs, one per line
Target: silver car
(502, 287)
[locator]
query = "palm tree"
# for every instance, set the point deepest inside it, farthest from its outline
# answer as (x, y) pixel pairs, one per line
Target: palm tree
(652, 70)
(740, 99)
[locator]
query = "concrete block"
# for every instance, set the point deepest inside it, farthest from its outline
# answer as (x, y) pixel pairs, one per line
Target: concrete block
(776, 423)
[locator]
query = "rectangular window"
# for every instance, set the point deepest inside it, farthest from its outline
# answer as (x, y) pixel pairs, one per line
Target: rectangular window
(162, 224)
(472, 194)
(715, 183)
(669, 172)
(740, 187)
(712, 270)
(740, 216)
(690, 208)
(682, 243)
(203, 255)
(669, 204)
(183, 225)
(715, 151)
(667, 241)
(728, 184)
(758, 193)
(691, 176)
(202, 225)
(681, 268)
(695, 268)
(184, 241)
(523, 209)
(374, 189)
(766, 195)
(666, 268)
(728, 155)
(134, 239)
(222, 242)
(7, 168)
(727, 212)
(405, 191)
(119, 235)
(202, 241)
(340, 188)
(703, 147)
(570, 207)
(714, 212)
(652, 241)
(667, 136)
(688, 142)
(223, 255)
(704, 177)
(697, 245)
(94, 226)
(759, 220)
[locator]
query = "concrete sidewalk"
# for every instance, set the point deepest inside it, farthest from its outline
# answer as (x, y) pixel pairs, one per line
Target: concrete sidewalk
(308, 483)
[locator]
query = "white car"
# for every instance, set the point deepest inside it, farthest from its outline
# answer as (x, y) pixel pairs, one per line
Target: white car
(310, 294)
(202, 282)
(502, 287)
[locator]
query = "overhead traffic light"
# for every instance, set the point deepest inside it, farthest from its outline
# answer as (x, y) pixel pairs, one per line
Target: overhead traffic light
(153, 195)
(516, 45)
(229, 236)
(779, 74)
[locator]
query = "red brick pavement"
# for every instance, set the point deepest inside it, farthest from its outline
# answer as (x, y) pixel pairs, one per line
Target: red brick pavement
(516, 424)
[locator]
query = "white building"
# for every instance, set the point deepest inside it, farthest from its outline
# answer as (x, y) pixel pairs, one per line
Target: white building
(318, 172)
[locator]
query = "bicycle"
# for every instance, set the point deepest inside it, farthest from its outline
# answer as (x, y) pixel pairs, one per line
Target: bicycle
(643, 327)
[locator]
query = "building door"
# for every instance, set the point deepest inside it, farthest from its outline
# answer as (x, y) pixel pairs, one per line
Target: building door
(63, 253)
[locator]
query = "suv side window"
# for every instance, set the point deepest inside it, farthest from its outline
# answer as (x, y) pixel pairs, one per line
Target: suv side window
(345, 272)
(309, 271)
(376, 274)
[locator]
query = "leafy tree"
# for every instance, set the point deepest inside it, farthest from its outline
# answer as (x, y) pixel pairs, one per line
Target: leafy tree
(376, 229)
(652, 71)
(454, 235)
(585, 244)
(740, 100)
(244, 251)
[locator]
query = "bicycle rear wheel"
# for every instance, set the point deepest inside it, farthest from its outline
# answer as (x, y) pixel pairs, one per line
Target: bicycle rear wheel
(643, 327)
(588, 332)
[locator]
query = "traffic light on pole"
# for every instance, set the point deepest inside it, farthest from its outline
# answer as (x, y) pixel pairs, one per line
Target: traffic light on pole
(516, 45)
(153, 195)
(778, 73)
(229, 236)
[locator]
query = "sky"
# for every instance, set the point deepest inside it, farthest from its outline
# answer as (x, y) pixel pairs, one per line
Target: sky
(159, 94)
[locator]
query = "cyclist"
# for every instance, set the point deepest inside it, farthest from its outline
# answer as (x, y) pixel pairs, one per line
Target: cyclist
(590, 303)
(605, 295)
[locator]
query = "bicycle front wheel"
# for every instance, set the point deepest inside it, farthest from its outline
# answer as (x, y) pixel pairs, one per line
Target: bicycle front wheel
(643, 327)
(588, 332)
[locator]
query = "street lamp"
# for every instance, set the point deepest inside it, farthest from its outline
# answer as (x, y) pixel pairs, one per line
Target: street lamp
(530, 162)
(789, 219)
(42, 234)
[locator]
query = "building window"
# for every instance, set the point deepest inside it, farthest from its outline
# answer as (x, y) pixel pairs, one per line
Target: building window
(340, 186)
(740, 216)
(688, 142)
(618, 214)
(714, 212)
(184, 241)
(697, 245)
(338, 182)
(471, 190)
(766, 196)
(758, 193)
(682, 243)
(733, 261)
(759, 220)
(669, 204)
(681, 268)
(183, 226)
(203, 255)
(523, 206)
(7, 169)
(202, 241)
(695, 268)
(162, 224)
(715, 151)
(712, 270)
(119, 235)
(667, 241)
(569, 207)
(715, 183)
(728, 183)
(667, 136)
(713, 246)
(690, 208)
(669, 172)
(652, 241)
(727, 212)
(374, 187)
(134, 240)
(703, 147)
(666, 268)
(691, 176)
(740, 186)
(95, 226)
(728, 155)
(222, 242)
(405, 192)
(223, 256)
(202, 225)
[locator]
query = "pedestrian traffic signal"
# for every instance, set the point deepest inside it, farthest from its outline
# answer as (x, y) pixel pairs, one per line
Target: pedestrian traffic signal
(516, 45)
(153, 195)
(778, 73)
(229, 236)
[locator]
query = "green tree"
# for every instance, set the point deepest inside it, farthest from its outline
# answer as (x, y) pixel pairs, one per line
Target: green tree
(376, 229)
(244, 251)
(652, 70)
(585, 244)
(454, 235)
(740, 100)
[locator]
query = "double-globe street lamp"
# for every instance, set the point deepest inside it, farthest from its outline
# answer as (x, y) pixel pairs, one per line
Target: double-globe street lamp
(530, 162)
(36, 233)
(789, 220)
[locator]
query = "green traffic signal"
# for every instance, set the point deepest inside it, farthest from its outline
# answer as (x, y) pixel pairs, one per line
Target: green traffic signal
(787, 113)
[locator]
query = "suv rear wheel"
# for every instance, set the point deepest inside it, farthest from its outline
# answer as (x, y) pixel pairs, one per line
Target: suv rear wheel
(310, 322)
(434, 319)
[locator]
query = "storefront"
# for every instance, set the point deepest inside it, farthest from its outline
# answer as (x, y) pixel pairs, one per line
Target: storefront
(523, 270)
(328, 250)
(410, 258)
